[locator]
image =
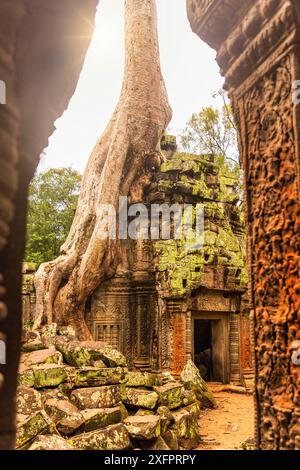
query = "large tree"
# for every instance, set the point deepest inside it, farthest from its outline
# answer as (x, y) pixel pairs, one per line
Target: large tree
(53, 196)
(121, 163)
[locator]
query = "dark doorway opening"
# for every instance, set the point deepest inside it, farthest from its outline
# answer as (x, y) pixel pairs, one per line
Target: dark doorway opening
(203, 348)
(210, 349)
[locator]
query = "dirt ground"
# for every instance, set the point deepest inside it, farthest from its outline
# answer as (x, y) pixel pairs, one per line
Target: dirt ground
(229, 425)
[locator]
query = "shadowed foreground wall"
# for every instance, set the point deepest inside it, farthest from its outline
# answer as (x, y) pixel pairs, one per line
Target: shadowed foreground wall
(42, 49)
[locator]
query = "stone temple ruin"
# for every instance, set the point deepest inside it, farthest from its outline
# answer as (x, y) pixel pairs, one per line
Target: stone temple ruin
(171, 303)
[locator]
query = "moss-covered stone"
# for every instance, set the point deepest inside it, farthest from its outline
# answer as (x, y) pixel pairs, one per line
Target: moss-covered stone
(186, 426)
(100, 418)
(166, 419)
(28, 429)
(92, 376)
(138, 397)
(86, 353)
(143, 427)
(64, 414)
(170, 394)
(189, 397)
(115, 437)
(29, 401)
(141, 379)
(192, 380)
(106, 396)
(26, 377)
(49, 375)
(43, 356)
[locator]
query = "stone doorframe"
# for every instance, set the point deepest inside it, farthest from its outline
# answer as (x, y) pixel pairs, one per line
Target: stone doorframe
(222, 342)
(258, 51)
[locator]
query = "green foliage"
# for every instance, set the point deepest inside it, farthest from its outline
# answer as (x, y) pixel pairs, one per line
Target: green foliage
(53, 199)
(211, 131)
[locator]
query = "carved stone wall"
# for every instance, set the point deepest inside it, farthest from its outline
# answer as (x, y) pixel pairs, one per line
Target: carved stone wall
(258, 52)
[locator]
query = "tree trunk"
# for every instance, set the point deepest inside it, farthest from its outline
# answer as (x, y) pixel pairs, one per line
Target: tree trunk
(121, 164)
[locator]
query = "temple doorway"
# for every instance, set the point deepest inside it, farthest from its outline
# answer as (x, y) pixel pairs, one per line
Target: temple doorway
(211, 346)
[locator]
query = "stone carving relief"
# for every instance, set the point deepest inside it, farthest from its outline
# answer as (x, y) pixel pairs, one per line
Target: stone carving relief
(273, 212)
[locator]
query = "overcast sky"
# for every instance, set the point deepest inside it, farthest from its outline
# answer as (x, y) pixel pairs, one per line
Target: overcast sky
(188, 66)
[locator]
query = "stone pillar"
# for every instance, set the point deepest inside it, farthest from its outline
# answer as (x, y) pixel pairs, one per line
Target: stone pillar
(177, 315)
(258, 50)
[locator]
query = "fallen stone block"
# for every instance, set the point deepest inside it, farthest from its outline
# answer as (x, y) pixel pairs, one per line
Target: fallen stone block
(141, 379)
(29, 401)
(158, 444)
(64, 414)
(51, 442)
(115, 437)
(106, 396)
(49, 375)
(192, 380)
(186, 426)
(171, 439)
(31, 341)
(171, 395)
(92, 376)
(166, 419)
(143, 427)
(189, 397)
(28, 429)
(86, 353)
(100, 418)
(138, 397)
(25, 376)
(43, 356)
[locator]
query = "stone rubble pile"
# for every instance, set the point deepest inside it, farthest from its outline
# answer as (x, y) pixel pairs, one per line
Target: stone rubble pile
(80, 395)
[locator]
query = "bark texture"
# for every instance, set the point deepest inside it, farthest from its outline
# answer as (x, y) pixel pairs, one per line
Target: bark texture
(121, 164)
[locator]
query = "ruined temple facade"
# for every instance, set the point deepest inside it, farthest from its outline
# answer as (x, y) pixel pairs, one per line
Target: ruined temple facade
(170, 302)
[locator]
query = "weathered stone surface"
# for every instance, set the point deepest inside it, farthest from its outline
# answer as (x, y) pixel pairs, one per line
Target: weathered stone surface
(32, 342)
(171, 394)
(51, 442)
(43, 356)
(194, 408)
(92, 376)
(29, 401)
(25, 377)
(106, 396)
(86, 353)
(171, 439)
(192, 379)
(143, 427)
(115, 437)
(64, 414)
(49, 375)
(138, 397)
(30, 428)
(189, 397)
(158, 444)
(166, 419)
(141, 379)
(186, 426)
(100, 418)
